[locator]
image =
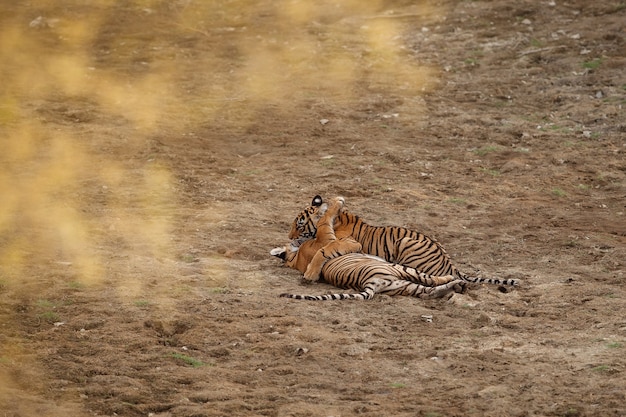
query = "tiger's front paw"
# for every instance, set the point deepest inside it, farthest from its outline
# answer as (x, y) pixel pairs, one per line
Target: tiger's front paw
(311, 274)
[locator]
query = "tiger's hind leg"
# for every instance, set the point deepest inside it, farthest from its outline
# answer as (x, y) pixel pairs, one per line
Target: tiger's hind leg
(411, 289)
(427, 256)
(423, 254)
(413, 275)
(332, 247)
(325, 228)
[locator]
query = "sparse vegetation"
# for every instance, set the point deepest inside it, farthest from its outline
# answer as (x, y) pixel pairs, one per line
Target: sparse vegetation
(49, 316)
(46, 312)
(536, 43)
(492, 172)
(601, 368)
(195, 363)
(457, 200)
(76, 285)
(592, 64)
(485, 150)
(155, 152)
(188, 258)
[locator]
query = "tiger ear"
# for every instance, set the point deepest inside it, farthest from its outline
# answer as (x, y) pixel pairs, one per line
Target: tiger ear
(317, 201)
(279, 253)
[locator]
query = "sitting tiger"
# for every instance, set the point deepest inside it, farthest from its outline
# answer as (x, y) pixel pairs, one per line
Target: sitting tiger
(341, 264)
(394, 244)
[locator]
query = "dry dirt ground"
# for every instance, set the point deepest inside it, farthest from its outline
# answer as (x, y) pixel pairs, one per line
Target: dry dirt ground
(154, 152)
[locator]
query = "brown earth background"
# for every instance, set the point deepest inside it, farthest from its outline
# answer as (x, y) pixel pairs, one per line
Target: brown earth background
(153, 152)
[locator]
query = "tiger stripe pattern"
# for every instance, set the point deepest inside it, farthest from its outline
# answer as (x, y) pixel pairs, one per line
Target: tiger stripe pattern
(364, 273)
(394, 244)
(371, 276)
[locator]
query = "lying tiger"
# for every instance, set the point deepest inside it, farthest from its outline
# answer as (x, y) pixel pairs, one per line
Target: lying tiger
(341, 264)
(394, 244)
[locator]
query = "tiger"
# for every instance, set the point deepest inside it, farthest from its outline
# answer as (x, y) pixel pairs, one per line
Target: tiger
(397, 245)
(341, 263)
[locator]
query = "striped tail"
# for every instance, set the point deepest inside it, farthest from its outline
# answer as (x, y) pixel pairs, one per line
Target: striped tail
(493, 281)
(368, 294)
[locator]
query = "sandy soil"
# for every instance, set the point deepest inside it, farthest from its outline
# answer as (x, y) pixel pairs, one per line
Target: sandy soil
(154, 152)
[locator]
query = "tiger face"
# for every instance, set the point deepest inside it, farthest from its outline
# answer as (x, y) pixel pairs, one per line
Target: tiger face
(304, 225)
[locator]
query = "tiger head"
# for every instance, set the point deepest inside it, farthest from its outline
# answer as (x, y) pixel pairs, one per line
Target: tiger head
(305, 224)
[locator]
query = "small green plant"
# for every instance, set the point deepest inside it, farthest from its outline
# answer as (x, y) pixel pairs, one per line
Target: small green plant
(485, 150)
(615, 345)
(49, 316)
(398, 385)
(536, 43)
(558, 192)
(492, 172)
(188, 258)
(195, 363)
(44, 304)
(46, 313)
(76, 285)
(593, 64)
(251, 172)
(456, 200)
(218, 290)
(601, 368)
(142, 303)
(572, 412)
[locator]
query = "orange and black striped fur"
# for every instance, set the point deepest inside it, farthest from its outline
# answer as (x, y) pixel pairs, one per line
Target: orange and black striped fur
(340, 263)
(394, 244)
